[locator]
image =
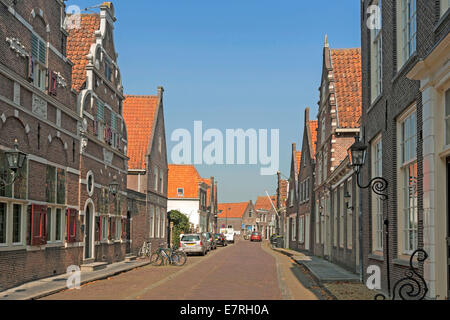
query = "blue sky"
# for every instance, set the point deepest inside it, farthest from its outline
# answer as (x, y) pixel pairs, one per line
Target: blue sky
(232, 64)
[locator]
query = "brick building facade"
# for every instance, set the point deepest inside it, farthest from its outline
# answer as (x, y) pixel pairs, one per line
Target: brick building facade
(339, 111)
(39, 226)
(292, 200)
(396, 126)
(239, 216)
(306, 185)
(147, 169)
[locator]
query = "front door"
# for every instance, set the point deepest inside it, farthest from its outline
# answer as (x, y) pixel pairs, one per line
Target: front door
(87, 232)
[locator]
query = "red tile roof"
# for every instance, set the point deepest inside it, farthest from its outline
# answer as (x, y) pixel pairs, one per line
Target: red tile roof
(186, 177)
(298, 158)
(232, 210)
(313, 124)
(263, 203)
(346, 64)
(139, 113)
(78, 45)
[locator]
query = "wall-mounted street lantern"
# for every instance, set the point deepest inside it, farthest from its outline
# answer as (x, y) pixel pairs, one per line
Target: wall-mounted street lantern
(408, 288)
(114, 186)
(15, 159)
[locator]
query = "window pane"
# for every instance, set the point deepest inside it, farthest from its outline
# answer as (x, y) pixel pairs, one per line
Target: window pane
(58, 225)
(50, 187)
(61, 189)
(2, 222)
(17, 223)
(5, 191)
(49, 224)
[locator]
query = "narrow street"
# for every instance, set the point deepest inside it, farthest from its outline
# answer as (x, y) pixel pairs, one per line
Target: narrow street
(243, 271)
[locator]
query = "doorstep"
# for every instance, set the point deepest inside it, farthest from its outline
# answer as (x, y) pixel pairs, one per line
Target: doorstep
(48, 286)
(93, 266)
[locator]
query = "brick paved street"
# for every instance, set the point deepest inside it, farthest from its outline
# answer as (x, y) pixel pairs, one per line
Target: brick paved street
(245, 270)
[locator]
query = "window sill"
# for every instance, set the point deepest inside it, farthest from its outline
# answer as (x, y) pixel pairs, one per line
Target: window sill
(404, 262)
(376, 256)
(406, 66)
(375, 102)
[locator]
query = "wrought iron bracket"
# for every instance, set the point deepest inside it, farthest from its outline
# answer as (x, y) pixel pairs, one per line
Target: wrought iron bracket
(378, 185)
(413, 286)
(4, 182)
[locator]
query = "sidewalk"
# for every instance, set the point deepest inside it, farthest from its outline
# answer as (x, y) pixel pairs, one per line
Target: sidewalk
(342, 284)
(322, 270)
(47, 286)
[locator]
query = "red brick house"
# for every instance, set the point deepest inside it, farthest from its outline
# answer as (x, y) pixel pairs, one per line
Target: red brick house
(306, 185)
(147, 169)
(39, 228)
(103, 156)
(339, 111)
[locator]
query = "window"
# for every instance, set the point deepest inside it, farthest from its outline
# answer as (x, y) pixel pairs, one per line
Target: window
(19, 189)
(160, 144)
(49, 224)
(335, 216)
(157, 222)
(155, 175)
(301, 229)
(152, 221)
(108, 69)
(180, 192)
(291, 198)
(445, 4)
(406, 30)
(118, 231)
(293, 229)
(39, 58)
(161, 181)
(3, 213)
(58, 224)
(317, 222)
(349, 216)
(322, 134)
(320, 171)
(408, 180)
(325, 164)
(377, 202)
(447, 117)
(17, 223)
(322, 220)
(341, 217)
(376, 58)
(163, 222)
(100, 121)
(55, 185)
(104, 228)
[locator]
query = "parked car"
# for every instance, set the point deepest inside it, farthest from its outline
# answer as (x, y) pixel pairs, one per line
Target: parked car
(256, 236)
(211, 241)
(220, 239)
(193, 243)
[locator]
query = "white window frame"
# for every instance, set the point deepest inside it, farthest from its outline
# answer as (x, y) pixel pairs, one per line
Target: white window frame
(157, 222)
(163, 222)
(105, 227)
(118, 233)
(341, 216)
(406, 30)
(377, 201)
(445, 5)
(349, 215)
(152, 221)
(376, 57)
(9, 205)
(293, 229)
(52, 218)
(301, 222)
(406, 208)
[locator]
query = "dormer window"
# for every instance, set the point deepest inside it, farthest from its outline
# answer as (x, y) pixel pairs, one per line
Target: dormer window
(180, 192)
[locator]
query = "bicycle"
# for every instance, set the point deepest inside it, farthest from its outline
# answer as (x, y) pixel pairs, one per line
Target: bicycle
(163, 255)
(145, 250)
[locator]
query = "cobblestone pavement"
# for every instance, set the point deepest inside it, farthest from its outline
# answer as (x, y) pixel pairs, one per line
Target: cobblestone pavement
(243, 271)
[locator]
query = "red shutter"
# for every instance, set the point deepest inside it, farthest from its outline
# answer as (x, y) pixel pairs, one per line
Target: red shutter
(38, 234)
(54, 83)
(110, 229)
(72, 226)
(95, 127)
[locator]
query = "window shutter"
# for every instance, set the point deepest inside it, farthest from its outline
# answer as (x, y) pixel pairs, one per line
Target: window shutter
(124, 228)
(34, 46)
(72, 225)
(38, 234)
(42, 52)
(110, 229)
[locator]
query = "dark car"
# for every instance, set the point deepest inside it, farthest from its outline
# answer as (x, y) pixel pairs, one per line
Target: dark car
(211, 241)
(220, 239)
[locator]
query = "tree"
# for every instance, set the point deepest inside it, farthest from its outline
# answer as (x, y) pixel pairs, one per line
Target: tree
(180, 225)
